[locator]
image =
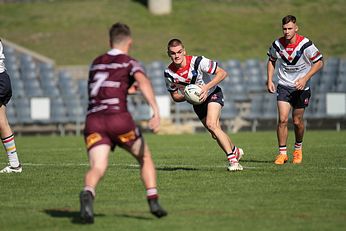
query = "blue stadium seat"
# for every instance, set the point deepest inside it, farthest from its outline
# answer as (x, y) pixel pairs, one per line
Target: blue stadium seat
(83, 88)
(21, 102)
(24, 115)
(229, 110)
(256, 108)
(269, 106)
(11, 114)
(58, 115)
(155, 65)
(231, 64)
(17, 88)
(32, 88)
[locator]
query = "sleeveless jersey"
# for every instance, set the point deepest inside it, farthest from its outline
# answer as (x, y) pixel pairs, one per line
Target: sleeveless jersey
(198, 70)
(294, 60)
(110, 76)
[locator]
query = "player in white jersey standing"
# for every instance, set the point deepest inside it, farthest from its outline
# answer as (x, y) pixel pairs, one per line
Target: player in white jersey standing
(7, 136)
(198, 70)
(298, 60)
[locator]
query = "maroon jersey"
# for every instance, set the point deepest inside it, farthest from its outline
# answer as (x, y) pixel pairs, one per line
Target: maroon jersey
(110, 76)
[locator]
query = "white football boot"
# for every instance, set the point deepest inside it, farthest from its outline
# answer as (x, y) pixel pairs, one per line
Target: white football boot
(10, 169)
(234, 167)
(239, 154)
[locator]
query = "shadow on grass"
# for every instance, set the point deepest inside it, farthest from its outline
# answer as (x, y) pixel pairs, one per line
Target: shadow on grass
(138, 217)
(177, 169)
(75, 218)
(67, 213)
(257, 161)
(168, 168)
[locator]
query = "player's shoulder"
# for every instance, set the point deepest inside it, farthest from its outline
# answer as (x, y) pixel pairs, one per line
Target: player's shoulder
(171, 68)
(278, 41)
(302, 39)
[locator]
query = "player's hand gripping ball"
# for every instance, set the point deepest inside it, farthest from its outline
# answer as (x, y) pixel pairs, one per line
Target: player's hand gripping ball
(192, 93)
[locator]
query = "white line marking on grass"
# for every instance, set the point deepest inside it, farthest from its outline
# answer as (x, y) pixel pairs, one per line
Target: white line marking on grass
(181, 166)
(133, 165)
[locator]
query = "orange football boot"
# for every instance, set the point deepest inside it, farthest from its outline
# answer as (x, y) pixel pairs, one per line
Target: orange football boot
(297, 156)
(281, 159)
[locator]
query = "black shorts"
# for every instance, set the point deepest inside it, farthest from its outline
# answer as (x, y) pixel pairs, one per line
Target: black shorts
(202, 109)
(5, 88)
(297, 98)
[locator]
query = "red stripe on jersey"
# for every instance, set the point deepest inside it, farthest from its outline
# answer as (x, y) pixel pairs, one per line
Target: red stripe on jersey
(211, 66)
(291, 47)
(314, 57)
(182, 71)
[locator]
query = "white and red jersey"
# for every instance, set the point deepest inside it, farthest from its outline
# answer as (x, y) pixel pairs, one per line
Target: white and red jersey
(2, 58)
(198, 70)
(295, 60)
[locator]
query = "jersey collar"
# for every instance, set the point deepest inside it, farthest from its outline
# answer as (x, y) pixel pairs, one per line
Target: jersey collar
(115, 52)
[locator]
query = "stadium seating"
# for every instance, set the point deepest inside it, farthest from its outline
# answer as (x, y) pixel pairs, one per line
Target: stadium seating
(244, 86)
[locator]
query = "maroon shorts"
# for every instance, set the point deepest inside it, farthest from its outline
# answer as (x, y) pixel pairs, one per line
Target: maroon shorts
(112, 129)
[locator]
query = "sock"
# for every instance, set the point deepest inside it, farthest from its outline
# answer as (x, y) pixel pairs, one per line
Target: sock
(298, 145)
(11, 150)
(232, 157)
(152, 193)
(90, 189)
(283, 149)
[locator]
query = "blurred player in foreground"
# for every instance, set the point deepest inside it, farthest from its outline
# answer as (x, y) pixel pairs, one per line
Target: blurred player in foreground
(198, 70)
(7, 136)
(109, 124)
(298, 60)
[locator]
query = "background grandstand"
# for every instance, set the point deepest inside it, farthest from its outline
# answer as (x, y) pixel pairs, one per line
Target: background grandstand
(58, 39)
(236, 32)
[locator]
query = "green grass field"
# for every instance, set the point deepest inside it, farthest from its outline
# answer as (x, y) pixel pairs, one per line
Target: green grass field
(194, 186)
(75, 31)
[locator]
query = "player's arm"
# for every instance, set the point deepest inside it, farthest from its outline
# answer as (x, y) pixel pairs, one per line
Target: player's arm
(177, 97)
(220, 74)
(300, 83)
(133, 89)
(270, 74)
(146, 88)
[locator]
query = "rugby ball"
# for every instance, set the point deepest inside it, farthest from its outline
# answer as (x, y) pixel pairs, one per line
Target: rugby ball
(192, 93)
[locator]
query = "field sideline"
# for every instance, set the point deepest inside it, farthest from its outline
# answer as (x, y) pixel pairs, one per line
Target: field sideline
(194, 186)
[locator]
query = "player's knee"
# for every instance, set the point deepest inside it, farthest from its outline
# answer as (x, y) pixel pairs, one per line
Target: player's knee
(212, 126)
(283, 122)
(298, 122)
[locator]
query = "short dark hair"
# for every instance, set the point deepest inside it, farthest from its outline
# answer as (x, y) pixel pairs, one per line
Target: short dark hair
(288, 18)
(118, 32)
(174, 42)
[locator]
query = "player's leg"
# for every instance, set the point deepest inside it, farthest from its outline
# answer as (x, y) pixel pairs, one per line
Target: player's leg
(212, 123)
(299, 129)
(7, 138)
(98, 160)
(282, 131)
(300, 101)
(140, 150)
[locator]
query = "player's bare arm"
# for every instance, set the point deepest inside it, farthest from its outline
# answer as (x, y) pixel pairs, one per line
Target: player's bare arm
(300, 83)
(177, 97)
(270, 72)
(146, 88)
(220, 75)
